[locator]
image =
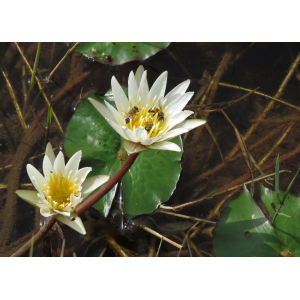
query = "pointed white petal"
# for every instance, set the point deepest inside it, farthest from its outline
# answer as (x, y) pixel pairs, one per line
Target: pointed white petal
(165, 146)
(30, 197)
(179, 89)
(132, 89)
(92, 183)
(150, 141)
(138, 75)
(168, 101)
(47, 212)
(190, 124)
(49, 152)
(172, 133)
(73, 221)
(179, 103)
(102, 109)
(117, 128)
(63, 213)
(44, 202)
(75, 201)
(118, 118)
(143, 90)
(36, 177)
(131, 147)
(136, 135)
(73, 163)
(178, 118)
(159, 87)
(81, 175)
(47, 167)
(59, 164)
(120, 98)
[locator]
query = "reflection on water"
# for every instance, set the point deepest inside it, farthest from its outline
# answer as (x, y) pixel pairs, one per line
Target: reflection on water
(219, 73)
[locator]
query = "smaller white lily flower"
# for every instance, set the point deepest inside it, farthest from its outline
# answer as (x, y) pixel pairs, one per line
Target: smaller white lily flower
(61, 188)
(148, 119)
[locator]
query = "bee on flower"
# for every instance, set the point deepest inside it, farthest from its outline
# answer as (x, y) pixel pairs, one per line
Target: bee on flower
(148, 119)
(62, 188)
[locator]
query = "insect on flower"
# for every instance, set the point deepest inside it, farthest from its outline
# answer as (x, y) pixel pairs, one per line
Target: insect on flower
(148, 119)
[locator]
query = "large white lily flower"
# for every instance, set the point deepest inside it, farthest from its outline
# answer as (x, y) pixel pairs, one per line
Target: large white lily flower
(148, 119)
(61, 188)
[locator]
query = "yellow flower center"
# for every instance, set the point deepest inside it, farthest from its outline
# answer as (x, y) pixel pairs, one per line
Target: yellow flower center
(153, 119)
(59, 190)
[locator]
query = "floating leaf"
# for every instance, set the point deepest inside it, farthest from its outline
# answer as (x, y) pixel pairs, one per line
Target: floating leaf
(119, 52)
(287, 222)
(150, 181)
(243, 230)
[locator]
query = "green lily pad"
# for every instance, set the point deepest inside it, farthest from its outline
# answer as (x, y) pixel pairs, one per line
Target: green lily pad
(287, 222)
(150, 181)
(243, 230)
(119, 52)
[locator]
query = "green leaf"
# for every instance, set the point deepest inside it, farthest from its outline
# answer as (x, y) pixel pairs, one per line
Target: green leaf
(243, 230)
(150, 181)
(287, 222)
(119, 52)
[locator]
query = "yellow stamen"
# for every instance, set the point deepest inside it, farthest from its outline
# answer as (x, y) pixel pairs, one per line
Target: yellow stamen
(59, 190)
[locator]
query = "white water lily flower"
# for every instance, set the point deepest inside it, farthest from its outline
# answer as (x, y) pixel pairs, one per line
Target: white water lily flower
(148, 119)
(61, 188)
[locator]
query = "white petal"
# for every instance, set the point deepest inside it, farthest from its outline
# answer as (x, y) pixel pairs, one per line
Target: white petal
(59, 164)
(179, 103)
(44, 202)
(63, 213)
(49, 152)
(131, 147)
(120, 98)
(117, 128)
(132, 89)
(36, 177)
(138, 75)
(92, 183)
(173, 133)
(178, 118)
(102, 109)
(75, 200)
(47, 212)
(168, 101)
(190, 124)
(30, 197)
(73, 163)
(81, 175)
(76, 224)
(143, 90)
(150, 141)
(118, 118)
(179, 89)
(159, 87)
(165, 146)
(136, 135)
(47, 167)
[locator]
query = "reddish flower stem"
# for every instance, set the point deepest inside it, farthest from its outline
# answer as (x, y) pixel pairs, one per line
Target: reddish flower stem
(83, 206)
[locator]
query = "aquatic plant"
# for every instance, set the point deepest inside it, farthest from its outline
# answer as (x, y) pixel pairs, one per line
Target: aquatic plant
(62, 188)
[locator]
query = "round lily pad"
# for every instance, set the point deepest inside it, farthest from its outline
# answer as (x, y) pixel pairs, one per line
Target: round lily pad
(119, 52)
(150, 181)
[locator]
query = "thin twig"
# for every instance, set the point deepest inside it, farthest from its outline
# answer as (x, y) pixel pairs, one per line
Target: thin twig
(68, 52)
(15, 101)
(162, 237)
(37, 57)
(185, 217)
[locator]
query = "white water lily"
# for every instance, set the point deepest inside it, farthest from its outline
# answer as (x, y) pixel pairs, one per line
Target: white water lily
(61, 188)
(148, 119)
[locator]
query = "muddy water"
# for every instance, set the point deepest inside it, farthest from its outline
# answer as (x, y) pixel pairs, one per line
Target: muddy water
(208, 161)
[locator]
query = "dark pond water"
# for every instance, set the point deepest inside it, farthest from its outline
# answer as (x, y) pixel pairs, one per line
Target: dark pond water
(219, 72)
